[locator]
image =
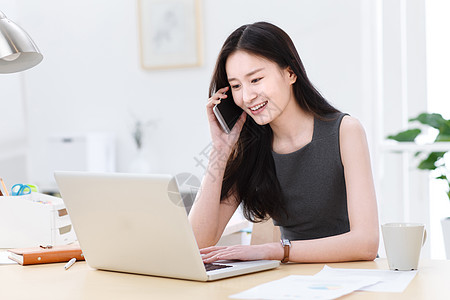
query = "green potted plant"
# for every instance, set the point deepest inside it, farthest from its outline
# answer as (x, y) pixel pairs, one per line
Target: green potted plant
(434, 161)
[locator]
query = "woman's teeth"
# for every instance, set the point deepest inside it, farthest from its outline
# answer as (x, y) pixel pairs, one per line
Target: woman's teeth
(254, 108)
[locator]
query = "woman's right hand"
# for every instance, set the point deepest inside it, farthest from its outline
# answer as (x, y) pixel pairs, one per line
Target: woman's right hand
(222, 141)
(210, 214)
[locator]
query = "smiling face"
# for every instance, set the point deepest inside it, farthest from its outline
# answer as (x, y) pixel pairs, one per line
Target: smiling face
(259, 86)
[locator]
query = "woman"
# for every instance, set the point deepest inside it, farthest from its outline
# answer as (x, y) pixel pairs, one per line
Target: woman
(291, 156)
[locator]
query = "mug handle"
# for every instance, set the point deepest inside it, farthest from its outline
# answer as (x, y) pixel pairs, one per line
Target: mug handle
(424, 236)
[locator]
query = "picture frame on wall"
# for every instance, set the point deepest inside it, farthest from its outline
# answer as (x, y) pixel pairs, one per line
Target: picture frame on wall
(170, 33)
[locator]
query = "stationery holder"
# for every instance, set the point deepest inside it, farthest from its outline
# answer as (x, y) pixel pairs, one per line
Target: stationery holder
(33, 220)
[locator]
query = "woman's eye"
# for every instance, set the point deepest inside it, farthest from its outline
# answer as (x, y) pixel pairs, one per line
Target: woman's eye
(236, 86)
(256, 80)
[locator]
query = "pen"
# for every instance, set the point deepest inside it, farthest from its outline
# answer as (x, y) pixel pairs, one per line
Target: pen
(4, 187)
(70, 263)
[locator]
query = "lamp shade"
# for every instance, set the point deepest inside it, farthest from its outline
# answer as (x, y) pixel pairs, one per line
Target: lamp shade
(18, 52)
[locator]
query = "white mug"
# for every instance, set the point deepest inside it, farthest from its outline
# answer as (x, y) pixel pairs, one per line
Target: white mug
(403, 242)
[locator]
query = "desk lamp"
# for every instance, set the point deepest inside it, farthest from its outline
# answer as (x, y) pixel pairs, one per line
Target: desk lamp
(18, 52)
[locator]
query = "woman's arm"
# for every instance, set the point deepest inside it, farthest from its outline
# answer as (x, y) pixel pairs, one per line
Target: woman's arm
(360, 243)
(209, 215)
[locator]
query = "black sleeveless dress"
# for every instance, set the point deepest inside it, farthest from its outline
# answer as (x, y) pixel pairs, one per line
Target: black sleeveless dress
(313, 185)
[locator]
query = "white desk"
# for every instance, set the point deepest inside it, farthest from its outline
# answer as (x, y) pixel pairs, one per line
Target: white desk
(51, 281)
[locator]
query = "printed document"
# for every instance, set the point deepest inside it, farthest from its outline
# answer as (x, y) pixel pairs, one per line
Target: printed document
(391, 281)
(300, 287)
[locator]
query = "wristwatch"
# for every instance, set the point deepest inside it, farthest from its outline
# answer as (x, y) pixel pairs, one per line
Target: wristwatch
(286, 244)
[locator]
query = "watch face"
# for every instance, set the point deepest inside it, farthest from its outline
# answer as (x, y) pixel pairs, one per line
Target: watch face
(286, 242)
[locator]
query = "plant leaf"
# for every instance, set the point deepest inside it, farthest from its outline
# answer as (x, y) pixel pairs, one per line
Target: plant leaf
(448, 191)
(442, 177)
(429, 163)
(405, 136)
(433, 120)
(443, 137)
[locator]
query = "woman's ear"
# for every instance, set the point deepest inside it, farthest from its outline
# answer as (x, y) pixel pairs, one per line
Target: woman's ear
(292, 76)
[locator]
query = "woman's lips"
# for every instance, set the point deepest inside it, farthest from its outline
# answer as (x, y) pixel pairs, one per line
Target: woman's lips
(256, 109)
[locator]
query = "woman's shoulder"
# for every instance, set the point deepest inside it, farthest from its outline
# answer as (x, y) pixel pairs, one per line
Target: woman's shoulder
(351, 129)
(350, 123)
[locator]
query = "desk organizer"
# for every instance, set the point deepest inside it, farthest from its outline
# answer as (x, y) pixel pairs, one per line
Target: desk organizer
(33, 220)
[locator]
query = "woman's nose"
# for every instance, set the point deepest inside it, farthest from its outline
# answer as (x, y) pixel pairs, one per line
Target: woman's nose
(248, 95)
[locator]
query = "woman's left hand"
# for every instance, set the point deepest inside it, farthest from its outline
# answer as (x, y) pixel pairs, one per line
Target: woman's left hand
(239, 252)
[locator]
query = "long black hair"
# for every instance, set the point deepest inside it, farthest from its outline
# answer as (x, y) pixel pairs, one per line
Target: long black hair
(250, 170)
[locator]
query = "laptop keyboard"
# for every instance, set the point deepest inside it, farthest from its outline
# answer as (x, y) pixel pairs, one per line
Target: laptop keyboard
(210, 267)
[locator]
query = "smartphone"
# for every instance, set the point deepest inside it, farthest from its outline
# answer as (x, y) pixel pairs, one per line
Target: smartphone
(227, 112)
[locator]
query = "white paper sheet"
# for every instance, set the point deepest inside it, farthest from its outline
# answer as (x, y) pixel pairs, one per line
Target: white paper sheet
(298, 287)
(391, 281)
(4, 260)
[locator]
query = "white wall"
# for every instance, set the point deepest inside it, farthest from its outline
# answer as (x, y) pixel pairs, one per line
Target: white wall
(91, 79)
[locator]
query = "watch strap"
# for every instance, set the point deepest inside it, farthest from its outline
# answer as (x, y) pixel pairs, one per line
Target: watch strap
(286, 244)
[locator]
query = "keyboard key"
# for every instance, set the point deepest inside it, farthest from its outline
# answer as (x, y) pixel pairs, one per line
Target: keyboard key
(210, 267)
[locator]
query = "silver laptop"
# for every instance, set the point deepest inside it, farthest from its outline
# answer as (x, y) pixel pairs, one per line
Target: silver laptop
(135, 223)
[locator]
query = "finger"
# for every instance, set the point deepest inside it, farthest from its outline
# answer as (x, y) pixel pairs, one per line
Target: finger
(223, 90)
(214, 255)
(212, 102)
(220, 94)
(208, 256)
(212, 259)
(224, 256)
(216, 99)
(211, 249)
(205, 251)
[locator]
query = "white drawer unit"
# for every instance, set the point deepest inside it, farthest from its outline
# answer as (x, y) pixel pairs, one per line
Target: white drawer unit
(33, 220)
